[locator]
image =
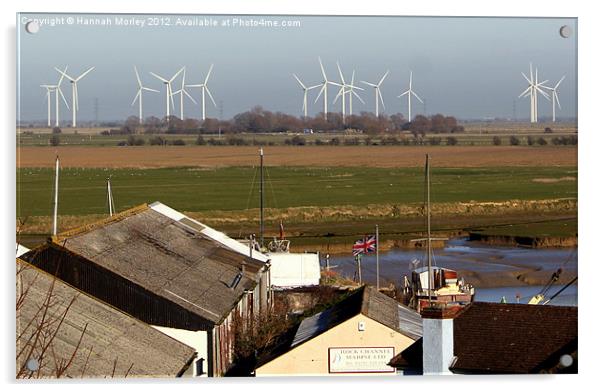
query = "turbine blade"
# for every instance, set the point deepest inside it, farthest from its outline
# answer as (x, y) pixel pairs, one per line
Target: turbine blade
(341, 91)
(63, 97)
(171, 94)
(159, 77)
(358, 97)
(149, 89)
(301, 83)
(560, 81)
(84, 74)
(208, 73)
(210, 96)
(320, 93)
(136, 97)
(63, 73)
(555, 96)
(381, 97)
(190, 97)
(417, 97)
(137, 76)
(312, 87)
(322, 68)
(526, 78)
(527, 90)
(176, 74)
(369, 84)
(340, 73)
(383, 78)
(407, 92)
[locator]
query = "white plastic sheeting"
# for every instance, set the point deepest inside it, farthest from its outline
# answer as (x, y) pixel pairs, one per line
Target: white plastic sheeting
(294, 269)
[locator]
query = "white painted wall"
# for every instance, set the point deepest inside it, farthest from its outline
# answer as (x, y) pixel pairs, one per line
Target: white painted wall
(437, 345)
(294, 269)
(194, 339)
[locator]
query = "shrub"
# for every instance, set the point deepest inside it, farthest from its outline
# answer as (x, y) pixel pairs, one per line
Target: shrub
(319, 142)
(157, 141)
(122, 143)
(56, 130)
(298, 141)
(55, 140)
(548, 130)
(514, 141)
(435, 141)
(541, 141)
(530, 140)
(200, 141)
(135, 141)
(105, 133)
(452, 141)
(178, 142)
(352, 141)
(335, 141)
(497, 141)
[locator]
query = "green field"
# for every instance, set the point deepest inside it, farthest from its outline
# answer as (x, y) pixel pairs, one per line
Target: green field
(83, 191)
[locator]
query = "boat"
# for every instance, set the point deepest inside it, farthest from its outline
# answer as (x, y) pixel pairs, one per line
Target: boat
(430, 284)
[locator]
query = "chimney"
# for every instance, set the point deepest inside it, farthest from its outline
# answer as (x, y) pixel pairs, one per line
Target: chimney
(438, 338)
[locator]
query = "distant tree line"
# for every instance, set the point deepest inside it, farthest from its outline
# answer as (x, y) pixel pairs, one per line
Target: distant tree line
(259, 120)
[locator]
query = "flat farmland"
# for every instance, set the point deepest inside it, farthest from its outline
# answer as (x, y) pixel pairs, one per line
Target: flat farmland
(83, 190)
(142, 157)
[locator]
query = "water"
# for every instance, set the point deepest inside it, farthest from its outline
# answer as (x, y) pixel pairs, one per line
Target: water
(491, 269)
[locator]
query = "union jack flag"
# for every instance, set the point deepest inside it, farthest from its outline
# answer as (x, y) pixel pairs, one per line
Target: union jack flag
(365, 245)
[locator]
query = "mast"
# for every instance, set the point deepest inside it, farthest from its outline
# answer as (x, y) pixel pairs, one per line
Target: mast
(110, 197)
(56, 197)
(261, 198)
(428, 226)
(377, 264)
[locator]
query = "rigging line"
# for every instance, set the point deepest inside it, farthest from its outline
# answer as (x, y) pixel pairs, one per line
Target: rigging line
(271, 187)
(248, 199)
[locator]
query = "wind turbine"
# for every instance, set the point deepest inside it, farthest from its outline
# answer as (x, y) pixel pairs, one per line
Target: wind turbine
(305, 90)
(56, 89)
(324, 90)
(410, 92)
(352, 93)
(344, 90)
(205, 89)
(534, 87)
(168, 89)
(74, 93)
(555, 100)
(377, 93)
(139, 94)
(182, 91)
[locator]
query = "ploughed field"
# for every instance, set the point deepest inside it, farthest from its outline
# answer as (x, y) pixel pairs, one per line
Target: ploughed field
(304, 156)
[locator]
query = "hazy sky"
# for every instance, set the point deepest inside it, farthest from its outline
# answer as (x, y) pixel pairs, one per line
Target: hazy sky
(467, 67)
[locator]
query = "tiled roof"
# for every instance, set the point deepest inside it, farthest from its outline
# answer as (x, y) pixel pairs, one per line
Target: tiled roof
(505, 338)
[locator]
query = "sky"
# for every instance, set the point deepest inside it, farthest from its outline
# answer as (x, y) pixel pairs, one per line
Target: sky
(466, 67)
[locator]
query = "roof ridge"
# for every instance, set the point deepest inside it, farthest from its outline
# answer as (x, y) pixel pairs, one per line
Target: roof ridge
(102, 222)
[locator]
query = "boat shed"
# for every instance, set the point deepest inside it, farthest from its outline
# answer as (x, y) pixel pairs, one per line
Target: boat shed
(166, 270)
(101, 340)
(352, 337)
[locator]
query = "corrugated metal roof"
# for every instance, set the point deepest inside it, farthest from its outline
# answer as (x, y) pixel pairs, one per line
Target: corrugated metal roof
(169, 259)
(114, 338)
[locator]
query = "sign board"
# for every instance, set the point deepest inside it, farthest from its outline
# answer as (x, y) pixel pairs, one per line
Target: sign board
(360, 359)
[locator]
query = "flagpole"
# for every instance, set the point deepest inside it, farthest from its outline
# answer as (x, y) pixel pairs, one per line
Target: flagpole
(359, 267)
(377, 265)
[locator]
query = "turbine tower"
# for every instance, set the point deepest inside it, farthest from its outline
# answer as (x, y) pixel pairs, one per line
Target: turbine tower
(168, 89)
(182, 91)
(555, 100)
(305, 91)
(377, 93)
(410, 92)
(344, 90)
(74, 92)
(205, 89)
(324, 89)
(56, 89)
(139, 94)
(534, 87)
